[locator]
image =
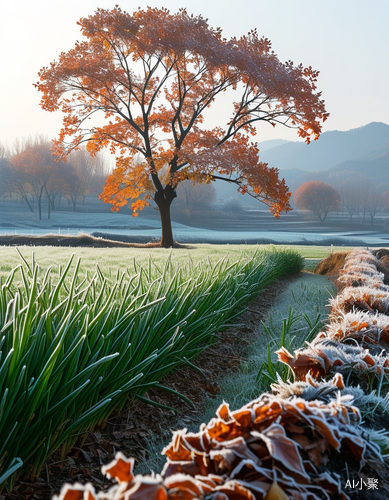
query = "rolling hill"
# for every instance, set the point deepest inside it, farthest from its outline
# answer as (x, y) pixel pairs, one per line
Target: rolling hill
(333, 148)
(363, 150)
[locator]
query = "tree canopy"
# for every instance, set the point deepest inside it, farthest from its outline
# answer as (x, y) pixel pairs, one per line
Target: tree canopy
(151, 76)
(318, 197)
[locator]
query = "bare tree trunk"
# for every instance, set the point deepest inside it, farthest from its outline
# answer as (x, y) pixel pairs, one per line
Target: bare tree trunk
(39, 199)
(164, 200)
(48, 203)
(28, 203)
(74, 201)
(52, 199)
(22, 193)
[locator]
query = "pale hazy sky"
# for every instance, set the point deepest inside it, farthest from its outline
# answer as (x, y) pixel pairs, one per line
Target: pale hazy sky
(346, 40)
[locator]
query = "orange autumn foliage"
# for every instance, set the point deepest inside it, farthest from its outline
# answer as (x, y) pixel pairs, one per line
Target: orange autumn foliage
(271, 449)
(318, 197)
(151, 75)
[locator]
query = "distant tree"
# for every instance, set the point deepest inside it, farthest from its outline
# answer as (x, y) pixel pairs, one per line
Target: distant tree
(4, 154)
(374, 203)
(385, 200)
(56, 185)
(356, 192)
(5, 177)
(79, 176)
(151, 76)
(318, 197)
(352, 195)
(20, 187)
(4, 171)
(194, 198)
(233, 205)
(35, 171)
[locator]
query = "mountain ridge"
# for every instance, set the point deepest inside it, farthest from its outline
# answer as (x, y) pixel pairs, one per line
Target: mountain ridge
(332, 148)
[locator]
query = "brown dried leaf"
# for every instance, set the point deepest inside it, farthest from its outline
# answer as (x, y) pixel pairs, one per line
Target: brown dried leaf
(276, 493)
(177, 450)
(244, 418)
(327, 430)
(120, 468)
(328, 483)
(77, 492)
(282, 448)
(357, 446)
(183, 487)
(234, 490)
(147, 488)
(223, 412)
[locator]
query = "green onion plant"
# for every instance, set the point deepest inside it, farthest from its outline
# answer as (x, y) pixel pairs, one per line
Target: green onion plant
(75, 348)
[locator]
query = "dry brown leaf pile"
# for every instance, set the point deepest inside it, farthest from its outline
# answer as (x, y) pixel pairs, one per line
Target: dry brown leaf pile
(269, 448)
(357, 337)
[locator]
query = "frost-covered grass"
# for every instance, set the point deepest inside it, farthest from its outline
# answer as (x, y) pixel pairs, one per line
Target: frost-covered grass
(111, 259)
(307, 295)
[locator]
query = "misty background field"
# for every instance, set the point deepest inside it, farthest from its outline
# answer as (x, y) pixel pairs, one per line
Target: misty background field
(352, 162)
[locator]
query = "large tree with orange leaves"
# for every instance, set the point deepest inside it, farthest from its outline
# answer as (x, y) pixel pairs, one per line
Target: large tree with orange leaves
(151, 76)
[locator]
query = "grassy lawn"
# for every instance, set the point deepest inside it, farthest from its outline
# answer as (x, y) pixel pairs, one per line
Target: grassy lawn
(112, 259)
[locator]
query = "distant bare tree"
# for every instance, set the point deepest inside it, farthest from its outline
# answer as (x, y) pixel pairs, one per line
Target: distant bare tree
(4, 153)
(359, 196)
(374, 201)
(5, 177)
(35, 166)
(21, 188)
(193, 198)
(352, 195)
(385, 200)
(84, 175)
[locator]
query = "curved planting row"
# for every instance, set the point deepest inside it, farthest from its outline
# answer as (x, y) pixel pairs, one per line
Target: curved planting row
(355, 342)
(295, 442)
(74, 348)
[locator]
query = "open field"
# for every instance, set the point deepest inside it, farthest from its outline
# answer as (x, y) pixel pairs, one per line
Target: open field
(252, 227)
(345, 419)
(112, 259)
